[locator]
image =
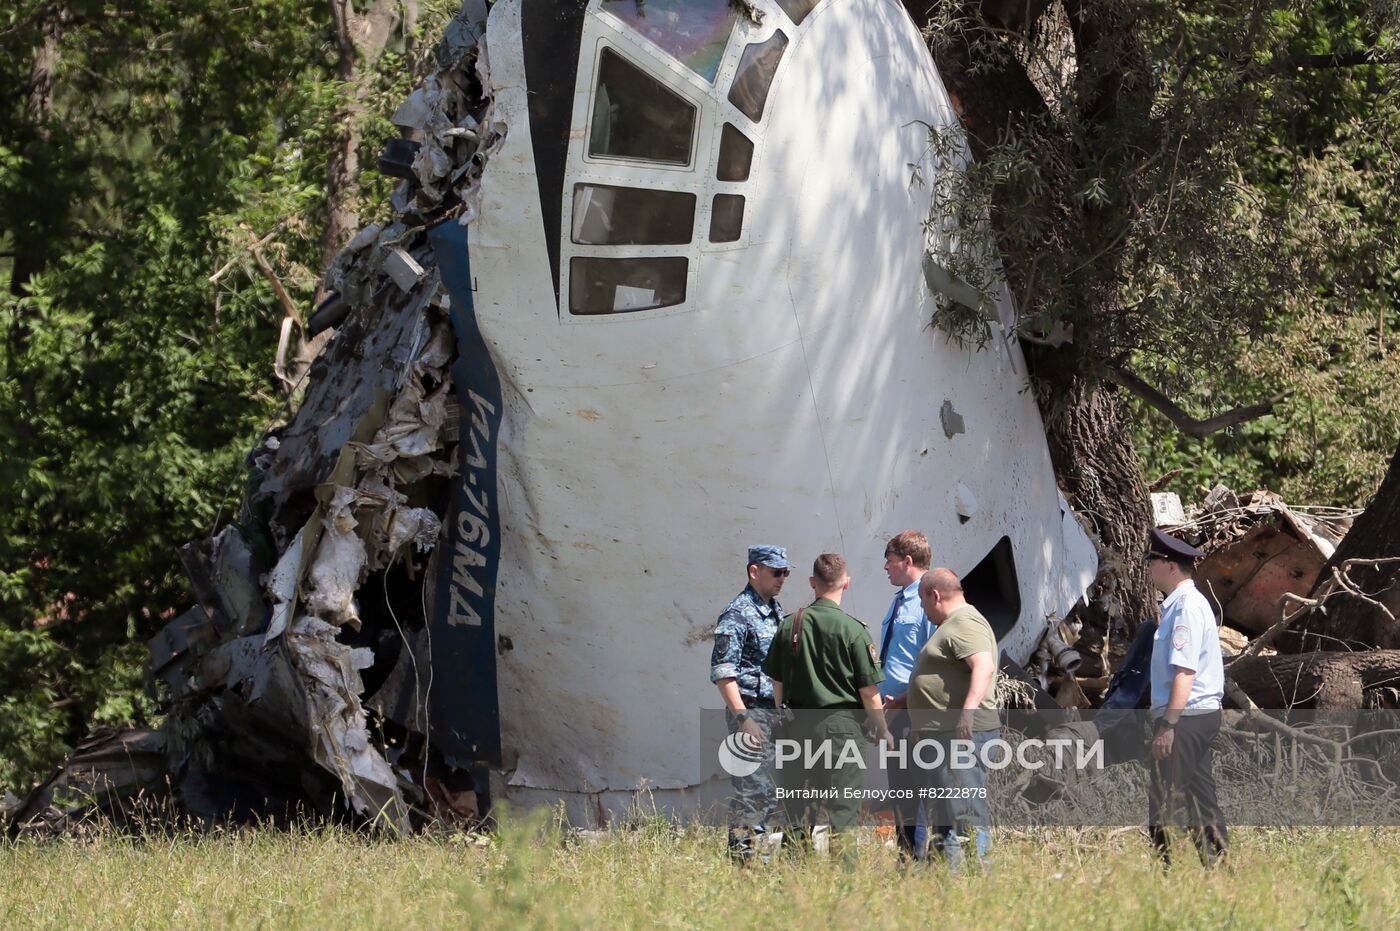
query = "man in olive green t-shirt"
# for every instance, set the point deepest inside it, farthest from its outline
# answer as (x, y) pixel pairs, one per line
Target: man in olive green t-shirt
(952, 698)
(822, 659)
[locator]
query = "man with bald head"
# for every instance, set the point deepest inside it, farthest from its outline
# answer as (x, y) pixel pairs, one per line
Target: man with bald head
(952, 698)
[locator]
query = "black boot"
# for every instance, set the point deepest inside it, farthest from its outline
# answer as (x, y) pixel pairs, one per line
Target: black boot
(908, 837)
(1213, 844)
(1161, 845)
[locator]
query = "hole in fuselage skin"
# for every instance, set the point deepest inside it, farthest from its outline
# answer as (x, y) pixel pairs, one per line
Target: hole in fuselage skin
(993, 588)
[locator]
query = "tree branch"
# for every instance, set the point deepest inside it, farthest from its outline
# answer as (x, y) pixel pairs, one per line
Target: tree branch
(1369, 56)
(285, 299)
(257, 244)
(1184, 421)
(342, 22)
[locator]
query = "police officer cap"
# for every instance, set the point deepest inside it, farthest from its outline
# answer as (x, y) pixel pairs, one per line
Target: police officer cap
(774, 557)
(1164, 544)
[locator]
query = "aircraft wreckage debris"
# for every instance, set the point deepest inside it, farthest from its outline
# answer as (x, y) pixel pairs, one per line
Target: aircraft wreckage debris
(438, 511)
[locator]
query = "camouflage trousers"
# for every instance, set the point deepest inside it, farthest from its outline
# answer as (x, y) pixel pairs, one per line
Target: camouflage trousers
(754, 803)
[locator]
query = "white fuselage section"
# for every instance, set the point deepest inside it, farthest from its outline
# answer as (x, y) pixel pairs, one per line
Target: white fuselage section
(792, 397)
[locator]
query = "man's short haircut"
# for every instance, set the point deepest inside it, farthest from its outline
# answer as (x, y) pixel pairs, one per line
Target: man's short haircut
(944, 581)
(830, 569)
(913, 544)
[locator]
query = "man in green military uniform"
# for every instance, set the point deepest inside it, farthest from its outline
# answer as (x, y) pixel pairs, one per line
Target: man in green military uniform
(823, 660)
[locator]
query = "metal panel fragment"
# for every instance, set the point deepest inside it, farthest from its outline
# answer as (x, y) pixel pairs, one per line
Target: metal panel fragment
(270, 671)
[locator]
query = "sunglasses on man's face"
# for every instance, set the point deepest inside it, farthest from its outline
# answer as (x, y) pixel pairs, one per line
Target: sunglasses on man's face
(780, 573)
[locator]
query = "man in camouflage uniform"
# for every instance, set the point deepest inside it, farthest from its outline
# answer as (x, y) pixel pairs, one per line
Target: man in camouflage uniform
(742, 637)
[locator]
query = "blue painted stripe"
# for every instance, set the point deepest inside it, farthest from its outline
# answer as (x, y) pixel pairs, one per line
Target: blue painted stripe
(465, 708)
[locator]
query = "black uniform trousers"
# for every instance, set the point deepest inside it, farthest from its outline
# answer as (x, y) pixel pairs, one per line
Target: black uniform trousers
(1182, 790)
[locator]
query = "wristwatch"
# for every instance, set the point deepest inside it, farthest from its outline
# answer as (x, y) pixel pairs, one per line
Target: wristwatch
(742, 716)
(1164, 725)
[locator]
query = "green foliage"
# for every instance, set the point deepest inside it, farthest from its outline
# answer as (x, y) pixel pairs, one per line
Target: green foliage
(1205, 195)
(1331, 347)
(132, 385)
(1327, 443)
(31, 721)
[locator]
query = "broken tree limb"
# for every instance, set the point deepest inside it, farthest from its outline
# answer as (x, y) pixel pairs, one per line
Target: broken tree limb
(292, 313)
(1163, 480)
(1340, 575)
(278, 288)
(1314, 680)
(279, 362)
(257, 243)
(1339, 582)
(1267, 638)
(1182, 420)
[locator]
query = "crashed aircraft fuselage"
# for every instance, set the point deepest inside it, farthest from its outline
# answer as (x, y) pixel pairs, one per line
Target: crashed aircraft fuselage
(653, 291)
(696, 265)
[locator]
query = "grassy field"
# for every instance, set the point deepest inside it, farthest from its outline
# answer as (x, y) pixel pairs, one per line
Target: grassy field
(653, 875)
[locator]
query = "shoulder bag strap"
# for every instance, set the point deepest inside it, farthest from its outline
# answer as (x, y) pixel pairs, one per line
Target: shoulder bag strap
(797, 632)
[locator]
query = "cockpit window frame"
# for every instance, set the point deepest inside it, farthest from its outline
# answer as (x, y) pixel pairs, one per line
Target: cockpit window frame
(668, 82)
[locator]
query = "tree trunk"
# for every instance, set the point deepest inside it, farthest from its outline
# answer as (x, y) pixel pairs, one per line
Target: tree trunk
(1352, 622)
(360, 40)
(1314, 680)
(1099, 472)
(1086, 425)
(38, 111)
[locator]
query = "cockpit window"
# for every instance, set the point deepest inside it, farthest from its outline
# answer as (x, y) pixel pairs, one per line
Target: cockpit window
(619, 286)
(735, 154)
(755, 75)
(636, 116)
(618, 216)
(797, 10)
(726, 217)
(694, 32)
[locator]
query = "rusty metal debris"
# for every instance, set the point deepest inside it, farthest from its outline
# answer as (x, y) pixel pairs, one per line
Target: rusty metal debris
(1260, 553)
(1259, 549)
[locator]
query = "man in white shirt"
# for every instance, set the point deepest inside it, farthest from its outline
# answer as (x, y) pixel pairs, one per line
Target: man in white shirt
(1188, 683)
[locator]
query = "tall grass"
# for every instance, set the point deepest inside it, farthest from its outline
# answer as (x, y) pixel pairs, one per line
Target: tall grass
(532, 874)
